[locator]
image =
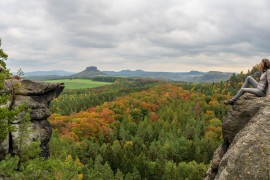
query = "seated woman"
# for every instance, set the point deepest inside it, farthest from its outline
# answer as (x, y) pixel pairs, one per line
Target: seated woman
(260, 88)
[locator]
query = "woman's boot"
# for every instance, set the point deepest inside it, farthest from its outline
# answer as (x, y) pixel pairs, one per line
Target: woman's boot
(229, 102)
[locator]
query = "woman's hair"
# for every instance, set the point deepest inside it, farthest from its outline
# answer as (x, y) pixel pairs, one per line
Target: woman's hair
(265, 65)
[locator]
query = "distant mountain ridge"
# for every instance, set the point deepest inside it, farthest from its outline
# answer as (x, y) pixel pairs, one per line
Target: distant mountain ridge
(48, 73)
(192, 76)
(92, 71)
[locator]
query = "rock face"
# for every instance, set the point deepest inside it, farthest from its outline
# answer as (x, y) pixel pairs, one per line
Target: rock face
(37, 96)
(245, 152)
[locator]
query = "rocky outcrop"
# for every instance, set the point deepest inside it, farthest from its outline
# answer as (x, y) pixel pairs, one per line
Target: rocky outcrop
(37, 97)
(245, 152)
(88, 72)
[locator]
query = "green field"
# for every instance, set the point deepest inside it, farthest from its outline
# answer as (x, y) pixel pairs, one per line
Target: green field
(79, 83)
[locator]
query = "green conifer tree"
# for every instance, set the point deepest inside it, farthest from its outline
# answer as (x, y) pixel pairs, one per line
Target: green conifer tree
(119, 175)
(5, 114)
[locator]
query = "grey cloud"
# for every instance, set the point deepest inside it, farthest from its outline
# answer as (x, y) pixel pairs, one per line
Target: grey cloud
(138, 33)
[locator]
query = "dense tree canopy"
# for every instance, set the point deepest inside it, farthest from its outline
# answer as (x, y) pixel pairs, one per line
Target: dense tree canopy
(164, 132)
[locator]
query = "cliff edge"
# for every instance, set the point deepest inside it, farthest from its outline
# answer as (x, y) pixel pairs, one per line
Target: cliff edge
(37, 95)
(245, 152)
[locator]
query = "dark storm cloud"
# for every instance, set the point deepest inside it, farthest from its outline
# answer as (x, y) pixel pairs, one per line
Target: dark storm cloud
(173, 35)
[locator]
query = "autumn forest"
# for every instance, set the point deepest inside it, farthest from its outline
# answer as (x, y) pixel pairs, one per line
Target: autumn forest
(131, 129)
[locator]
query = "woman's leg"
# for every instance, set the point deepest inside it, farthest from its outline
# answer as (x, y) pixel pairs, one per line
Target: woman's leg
(249, 80)
(255, 91)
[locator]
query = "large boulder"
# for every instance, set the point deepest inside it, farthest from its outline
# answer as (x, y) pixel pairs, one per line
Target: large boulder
(36, 96)
(245, 152)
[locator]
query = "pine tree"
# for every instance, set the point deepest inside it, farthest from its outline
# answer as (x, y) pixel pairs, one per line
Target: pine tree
(119, 175)
(5, 114)
(135, 175)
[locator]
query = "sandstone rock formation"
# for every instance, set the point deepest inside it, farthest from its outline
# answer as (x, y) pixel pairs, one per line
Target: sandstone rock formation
(88, 72)
(37, 96)
(245, 152)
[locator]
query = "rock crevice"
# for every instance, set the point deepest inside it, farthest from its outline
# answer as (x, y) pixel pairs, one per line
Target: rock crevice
(245, 152)
(36, 96)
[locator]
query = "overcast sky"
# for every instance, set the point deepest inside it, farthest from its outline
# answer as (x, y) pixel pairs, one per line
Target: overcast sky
(152, 35)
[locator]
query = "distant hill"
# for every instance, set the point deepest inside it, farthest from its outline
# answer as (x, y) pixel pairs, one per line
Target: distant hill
(88, 72)
(211, 76)
(215, 76)
(47, 77)
(175, 76)
(48, 73)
